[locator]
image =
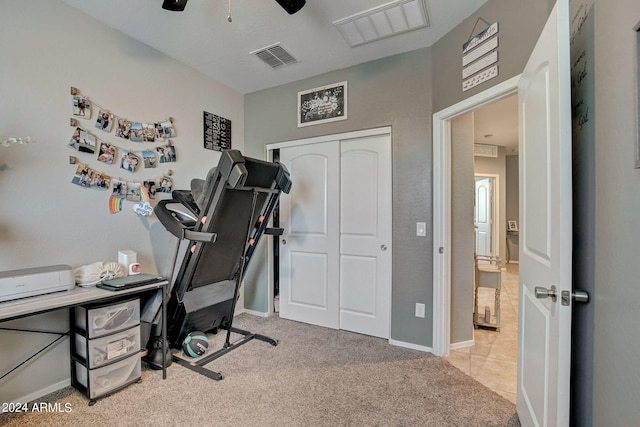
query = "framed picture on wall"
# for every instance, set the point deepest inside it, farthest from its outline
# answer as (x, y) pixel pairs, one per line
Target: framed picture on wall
(322, 104)
(512, 226)
(217, 132)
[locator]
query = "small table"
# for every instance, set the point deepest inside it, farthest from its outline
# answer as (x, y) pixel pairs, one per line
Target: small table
(24, 307)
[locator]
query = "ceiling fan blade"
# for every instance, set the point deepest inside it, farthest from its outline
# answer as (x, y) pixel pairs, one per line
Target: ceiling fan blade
(174, 5)
(291, 6)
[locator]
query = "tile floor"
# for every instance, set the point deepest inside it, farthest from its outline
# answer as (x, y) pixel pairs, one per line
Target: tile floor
(493, 360)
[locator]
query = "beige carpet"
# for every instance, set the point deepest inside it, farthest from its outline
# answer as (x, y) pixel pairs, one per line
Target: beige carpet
(314, 377)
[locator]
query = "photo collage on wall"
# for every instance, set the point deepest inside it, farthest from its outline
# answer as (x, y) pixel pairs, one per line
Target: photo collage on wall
(158, 149)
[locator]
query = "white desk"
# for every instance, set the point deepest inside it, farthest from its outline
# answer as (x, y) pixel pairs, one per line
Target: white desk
(19, 308)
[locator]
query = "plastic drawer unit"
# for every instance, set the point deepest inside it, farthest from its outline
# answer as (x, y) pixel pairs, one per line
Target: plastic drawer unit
(97, 320)
(106, 379)
(110, 348)
(105, 347)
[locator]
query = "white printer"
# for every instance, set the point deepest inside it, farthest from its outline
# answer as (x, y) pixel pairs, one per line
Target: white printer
(29, 282)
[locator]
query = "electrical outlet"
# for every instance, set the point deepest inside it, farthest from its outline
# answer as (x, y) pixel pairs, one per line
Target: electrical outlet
(421, 229)
(420, 310)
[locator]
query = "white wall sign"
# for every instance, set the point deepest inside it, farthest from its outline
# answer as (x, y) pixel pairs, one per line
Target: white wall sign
(480, 57)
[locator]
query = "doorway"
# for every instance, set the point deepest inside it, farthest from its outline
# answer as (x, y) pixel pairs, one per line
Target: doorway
(480, 345)
(485, 210)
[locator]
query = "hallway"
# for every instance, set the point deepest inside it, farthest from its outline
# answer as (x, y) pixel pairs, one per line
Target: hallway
(493, 360)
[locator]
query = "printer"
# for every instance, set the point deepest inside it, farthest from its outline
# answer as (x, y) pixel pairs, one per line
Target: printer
(29, 282)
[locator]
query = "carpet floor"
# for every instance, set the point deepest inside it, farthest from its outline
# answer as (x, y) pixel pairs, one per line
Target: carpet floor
(314, 377)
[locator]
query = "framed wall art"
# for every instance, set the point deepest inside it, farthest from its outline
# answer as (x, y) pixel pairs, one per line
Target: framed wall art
(322, 104)
(217, 132)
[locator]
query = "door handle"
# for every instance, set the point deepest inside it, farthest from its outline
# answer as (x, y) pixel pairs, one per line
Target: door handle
(542, 293)
(383, 248)
(284, 242)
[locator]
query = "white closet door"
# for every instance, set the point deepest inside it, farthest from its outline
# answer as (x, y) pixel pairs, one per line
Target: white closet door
(309, 255)
(365, 235)
(335, 266)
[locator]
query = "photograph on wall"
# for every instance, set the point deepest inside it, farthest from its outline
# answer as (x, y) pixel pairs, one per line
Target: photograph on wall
(152, 188)
(166, 153)
(136, 132)
(100, 181)
(123, 130)
(83, 176)
(133, 192)
(106, 153)
(165, 130)
(217, 132)
(129, 161)
(148, 132)
(104, 121)
(81, 107)
(322, 105)
(83, 141)
(166, 185)
(149, 159)
(119, 188)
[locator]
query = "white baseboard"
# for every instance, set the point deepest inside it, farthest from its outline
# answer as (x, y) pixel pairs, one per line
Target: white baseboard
(411, 346)
(462, 344)
(253, 312)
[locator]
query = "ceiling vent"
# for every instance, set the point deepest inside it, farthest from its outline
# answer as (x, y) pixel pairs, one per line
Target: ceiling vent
(482, 150)
(275, 56)
(383, 21)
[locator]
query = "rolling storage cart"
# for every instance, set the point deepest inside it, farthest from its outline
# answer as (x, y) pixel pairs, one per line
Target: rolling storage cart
(488, 274)
(105, 347)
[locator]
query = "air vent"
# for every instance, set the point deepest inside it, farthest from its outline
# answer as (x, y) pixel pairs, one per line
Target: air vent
(482, 150)
(383, 21)
(275, 56)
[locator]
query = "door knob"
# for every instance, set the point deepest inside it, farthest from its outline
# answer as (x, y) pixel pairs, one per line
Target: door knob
(577, 296)
(542, 293)
(284, 241)
(383, 248)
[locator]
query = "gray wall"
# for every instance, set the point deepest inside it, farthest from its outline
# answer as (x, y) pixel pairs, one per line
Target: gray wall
(520, 23)
(46, 47)
(584, 216)
(512, 209)
(394, 91)
(462, 228)
(399, 91)
(616, 365)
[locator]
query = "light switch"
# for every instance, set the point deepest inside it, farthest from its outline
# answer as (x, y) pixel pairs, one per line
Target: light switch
(421, 229)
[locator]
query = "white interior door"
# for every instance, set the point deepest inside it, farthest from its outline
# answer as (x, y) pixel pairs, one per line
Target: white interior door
(365, 235)
(335, 259)
(309, 254)
(484, 215)
(544, 349)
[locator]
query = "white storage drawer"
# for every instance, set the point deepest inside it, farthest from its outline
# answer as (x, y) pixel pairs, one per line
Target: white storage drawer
(106, 379)
(103, 350)
(101, 320)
